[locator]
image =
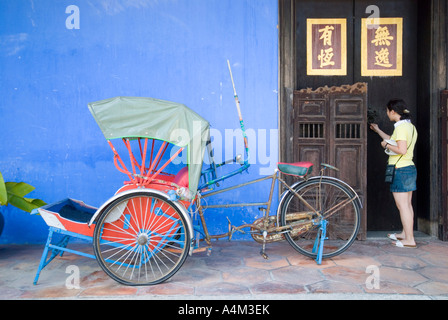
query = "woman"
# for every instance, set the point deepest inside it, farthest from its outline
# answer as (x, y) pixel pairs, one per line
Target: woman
(401, 155)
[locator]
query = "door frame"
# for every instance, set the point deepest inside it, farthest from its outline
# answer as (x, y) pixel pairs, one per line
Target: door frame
(287, 76)
(438, 82)
(443, 232)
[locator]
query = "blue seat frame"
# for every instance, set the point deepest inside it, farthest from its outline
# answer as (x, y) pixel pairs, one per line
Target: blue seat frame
(52, 250)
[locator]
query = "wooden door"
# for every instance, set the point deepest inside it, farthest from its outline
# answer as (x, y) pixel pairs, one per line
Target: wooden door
(330, 126)
(382, 212)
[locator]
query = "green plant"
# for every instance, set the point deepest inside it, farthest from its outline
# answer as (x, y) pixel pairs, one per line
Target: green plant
(14, 193)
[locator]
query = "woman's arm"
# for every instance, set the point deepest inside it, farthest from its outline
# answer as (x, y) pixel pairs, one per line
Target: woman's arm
(400, 148)
(383, 135)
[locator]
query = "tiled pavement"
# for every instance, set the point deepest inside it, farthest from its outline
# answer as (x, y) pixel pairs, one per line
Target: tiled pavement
(235, 270)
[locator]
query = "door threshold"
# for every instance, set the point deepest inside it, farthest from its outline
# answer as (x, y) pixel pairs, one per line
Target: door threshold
(381, 235)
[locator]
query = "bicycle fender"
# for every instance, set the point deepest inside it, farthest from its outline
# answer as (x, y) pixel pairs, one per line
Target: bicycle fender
(181, 208)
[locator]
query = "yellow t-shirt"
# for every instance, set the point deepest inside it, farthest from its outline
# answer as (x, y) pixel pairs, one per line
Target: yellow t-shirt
(404, 130)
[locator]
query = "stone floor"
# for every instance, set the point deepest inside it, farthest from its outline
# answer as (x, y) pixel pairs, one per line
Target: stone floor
(235, 270)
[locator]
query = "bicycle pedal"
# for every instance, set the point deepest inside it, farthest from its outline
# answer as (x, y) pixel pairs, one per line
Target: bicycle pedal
(264, 255)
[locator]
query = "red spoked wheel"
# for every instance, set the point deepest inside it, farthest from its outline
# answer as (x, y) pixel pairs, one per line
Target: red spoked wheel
(141, 238)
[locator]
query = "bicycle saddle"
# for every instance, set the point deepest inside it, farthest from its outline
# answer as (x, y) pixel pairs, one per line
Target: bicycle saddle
(301, 169)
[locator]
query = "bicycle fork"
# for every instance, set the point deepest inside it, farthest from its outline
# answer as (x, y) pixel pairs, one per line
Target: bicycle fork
(319, 242)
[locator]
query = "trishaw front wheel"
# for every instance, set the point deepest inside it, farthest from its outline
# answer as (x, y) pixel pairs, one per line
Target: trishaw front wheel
(141, 239)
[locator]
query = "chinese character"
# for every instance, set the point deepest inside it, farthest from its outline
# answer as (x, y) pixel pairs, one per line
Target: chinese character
(325, 57)
(382, 37)
(382, 58)
(327, 32)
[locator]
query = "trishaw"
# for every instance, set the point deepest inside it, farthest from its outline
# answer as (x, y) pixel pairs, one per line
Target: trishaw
(143, 234)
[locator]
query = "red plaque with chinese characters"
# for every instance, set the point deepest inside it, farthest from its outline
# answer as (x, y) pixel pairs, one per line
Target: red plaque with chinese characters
(382, 47)
(327, 47)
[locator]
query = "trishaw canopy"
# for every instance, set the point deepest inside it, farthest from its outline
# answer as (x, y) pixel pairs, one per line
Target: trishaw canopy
(138, 117)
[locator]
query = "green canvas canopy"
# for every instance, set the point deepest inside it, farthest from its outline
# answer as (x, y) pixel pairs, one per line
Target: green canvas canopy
(133, 117)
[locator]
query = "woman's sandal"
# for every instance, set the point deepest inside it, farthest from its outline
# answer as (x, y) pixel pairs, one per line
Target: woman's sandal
(401, 245)
(393, 237)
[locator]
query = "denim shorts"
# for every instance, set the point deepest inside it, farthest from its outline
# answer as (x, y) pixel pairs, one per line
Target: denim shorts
(405, 179)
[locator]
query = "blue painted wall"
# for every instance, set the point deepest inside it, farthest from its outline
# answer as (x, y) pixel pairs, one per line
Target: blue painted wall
(168, 49)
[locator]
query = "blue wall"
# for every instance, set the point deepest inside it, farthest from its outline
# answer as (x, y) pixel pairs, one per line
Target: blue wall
(168, 49)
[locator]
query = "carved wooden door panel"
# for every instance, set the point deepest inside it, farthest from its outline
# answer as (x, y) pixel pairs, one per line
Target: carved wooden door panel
(330, 126)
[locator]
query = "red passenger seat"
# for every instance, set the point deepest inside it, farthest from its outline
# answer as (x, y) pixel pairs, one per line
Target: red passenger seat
(181, 178)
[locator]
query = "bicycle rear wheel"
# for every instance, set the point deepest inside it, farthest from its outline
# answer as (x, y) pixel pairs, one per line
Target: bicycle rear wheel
(141, 239)
(335, 202)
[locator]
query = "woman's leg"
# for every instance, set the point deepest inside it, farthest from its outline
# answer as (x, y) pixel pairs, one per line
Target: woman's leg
(403, 200)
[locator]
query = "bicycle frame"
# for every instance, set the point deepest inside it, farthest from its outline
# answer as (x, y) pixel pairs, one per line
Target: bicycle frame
(275, 178)
(264, 228)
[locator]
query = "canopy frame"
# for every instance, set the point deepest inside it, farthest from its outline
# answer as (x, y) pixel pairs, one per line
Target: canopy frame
(130, 118)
